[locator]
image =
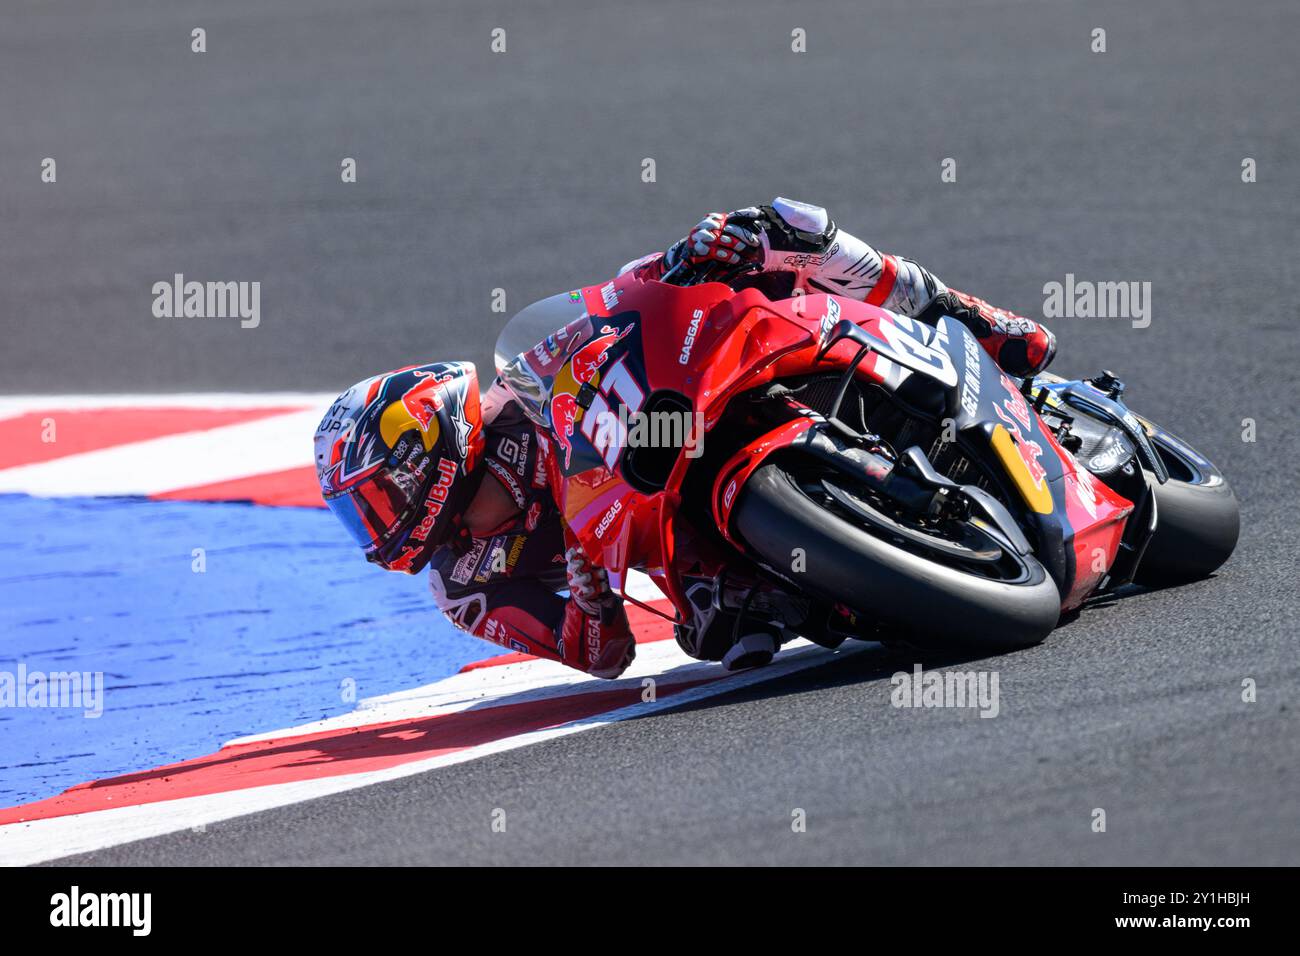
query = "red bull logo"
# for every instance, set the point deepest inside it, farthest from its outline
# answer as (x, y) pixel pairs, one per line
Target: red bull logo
(1015, 404)
(422, 399)
(586, 362)
(435, 499)
(1016, 418)
(417, 408)
(564, 417)
(583, 369)
(1030, 451)
(405, 561)
(422, 408)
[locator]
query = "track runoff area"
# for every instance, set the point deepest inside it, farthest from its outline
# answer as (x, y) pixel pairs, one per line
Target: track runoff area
(193, 639)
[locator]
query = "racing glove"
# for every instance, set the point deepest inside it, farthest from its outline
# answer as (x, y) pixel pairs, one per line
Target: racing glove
(595, 636)
(732, 239)
(780, 237)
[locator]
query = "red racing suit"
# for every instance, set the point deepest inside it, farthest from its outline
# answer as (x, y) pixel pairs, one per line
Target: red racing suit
(504, 586)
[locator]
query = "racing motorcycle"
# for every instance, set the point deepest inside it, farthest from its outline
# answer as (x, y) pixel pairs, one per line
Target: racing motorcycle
(851, 462)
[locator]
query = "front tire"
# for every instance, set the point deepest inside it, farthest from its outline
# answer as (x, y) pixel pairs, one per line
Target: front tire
(1197, 518)
(933, 603)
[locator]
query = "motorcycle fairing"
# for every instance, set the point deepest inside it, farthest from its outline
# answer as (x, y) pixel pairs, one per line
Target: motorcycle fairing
(1078, 519)
(733, 475)
(726, 342)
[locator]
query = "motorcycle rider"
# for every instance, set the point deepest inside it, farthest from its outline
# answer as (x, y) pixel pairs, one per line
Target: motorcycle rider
(404, 457)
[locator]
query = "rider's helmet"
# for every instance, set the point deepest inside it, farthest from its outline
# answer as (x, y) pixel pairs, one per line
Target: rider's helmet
(395, 456)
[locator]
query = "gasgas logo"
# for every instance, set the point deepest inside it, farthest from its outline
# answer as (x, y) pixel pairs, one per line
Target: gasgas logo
(608, 519)
(691, 332)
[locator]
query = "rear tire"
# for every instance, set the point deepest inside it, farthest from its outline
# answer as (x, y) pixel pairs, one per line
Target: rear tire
(935, 604)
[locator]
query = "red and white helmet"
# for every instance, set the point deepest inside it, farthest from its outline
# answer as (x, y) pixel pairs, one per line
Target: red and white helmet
(395, 455)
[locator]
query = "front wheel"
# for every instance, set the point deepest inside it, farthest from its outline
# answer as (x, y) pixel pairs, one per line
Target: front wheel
(958, 591)
(1197, 519)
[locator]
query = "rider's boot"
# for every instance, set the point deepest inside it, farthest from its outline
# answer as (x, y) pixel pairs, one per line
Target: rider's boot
(1019, 345)
(710, 634)
(752, 650)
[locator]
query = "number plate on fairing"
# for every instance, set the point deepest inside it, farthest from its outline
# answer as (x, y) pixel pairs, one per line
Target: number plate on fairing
(916, 346)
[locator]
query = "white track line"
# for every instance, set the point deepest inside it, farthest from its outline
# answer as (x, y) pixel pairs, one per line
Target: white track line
(12, 405)
(41, 840)
(174, 461)
(505, 684)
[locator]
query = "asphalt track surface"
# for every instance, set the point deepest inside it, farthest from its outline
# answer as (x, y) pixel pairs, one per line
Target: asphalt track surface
(522, 171)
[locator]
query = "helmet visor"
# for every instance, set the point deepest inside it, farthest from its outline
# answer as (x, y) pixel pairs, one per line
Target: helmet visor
(375, 510)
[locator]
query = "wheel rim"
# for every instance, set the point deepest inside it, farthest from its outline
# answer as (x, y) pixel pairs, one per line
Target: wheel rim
(961, 545)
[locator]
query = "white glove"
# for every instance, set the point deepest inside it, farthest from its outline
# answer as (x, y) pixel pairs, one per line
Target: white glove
(731, 239)
(588, 585)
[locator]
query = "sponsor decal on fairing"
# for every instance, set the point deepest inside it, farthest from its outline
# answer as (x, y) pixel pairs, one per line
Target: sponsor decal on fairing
(689, 342)
(970, 388)
(608, 519)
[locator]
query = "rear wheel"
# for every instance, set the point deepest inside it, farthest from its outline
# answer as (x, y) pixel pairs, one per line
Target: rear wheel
(942, 583)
